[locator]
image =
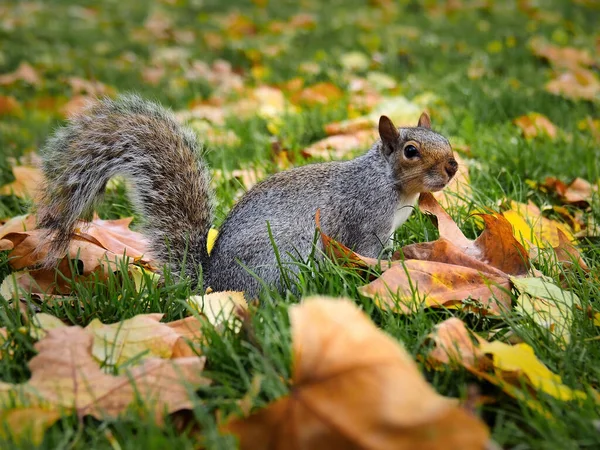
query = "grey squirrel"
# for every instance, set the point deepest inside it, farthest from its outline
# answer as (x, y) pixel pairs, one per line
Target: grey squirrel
(361, 201)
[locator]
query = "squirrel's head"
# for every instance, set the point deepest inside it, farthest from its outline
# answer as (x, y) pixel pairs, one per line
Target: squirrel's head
(421, 159)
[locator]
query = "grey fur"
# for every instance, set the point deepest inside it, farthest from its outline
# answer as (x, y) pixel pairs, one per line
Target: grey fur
(359, 200)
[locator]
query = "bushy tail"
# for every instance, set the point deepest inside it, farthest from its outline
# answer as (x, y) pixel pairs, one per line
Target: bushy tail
(170, 182)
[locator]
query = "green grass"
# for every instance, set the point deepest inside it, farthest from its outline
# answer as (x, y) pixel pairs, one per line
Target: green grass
(427, 51)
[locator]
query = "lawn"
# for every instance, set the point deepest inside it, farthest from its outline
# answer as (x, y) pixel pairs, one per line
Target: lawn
(476, 66)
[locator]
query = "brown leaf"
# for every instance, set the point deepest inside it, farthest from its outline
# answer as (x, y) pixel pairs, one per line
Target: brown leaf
(75, 105)
(96, 251)
(346, 392)
(454, 343)
(115, 235)
(341, 145)
(514, 368)
(27, 183)
(576, 84)
(437, 284)
(496, 246)
(568, 57)
(25, 72)
(143, 335)
(577, 193)
(64, 376)
(535, 124)
(9, 105)
(317, 94)
(568, 254)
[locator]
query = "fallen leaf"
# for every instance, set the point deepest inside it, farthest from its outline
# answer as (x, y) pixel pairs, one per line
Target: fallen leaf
(65, 377)
(27, 183)
(496, 246)
(454, 344)
(533, 229)
(342, 145)
(405, 288)
(568, 254)
(535, 124)
(578, 192)
(513, 368)
(568, 57)
(400, 110)
(76, 105)
(547, 304)
(9, 105)
(317, 94)
(25, 72)
(522, 362)
(141, 337)
(115, 235)
(221, 308)
(577, 84)
(27, 424)
(346, 392)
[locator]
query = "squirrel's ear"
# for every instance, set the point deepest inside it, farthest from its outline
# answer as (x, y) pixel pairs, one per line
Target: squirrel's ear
(424, 121)
(388, 133)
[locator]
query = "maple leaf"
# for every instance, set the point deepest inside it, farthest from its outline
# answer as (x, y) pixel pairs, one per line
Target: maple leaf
(25, 72)
(535, 124)
(578, 192)
(346, 392)
(65, 377)
(513, 368)
(96, 250)
(9, 105)
(143, 335)
(27, 183)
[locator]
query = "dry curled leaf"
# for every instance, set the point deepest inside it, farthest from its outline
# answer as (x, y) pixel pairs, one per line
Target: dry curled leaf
(65, 377)
(347, 394)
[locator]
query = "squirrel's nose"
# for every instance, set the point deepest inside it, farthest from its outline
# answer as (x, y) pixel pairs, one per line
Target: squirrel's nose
(451, 167)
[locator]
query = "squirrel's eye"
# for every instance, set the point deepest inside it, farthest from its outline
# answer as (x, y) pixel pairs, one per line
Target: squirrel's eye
(410, 151)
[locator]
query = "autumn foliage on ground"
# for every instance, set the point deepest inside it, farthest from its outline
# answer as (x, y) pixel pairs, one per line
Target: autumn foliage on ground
(479, 328)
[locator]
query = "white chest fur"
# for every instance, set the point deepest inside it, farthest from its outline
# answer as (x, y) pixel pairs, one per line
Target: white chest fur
(403, 211)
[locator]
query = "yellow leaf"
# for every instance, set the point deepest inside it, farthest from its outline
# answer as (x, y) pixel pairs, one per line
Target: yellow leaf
(212, 237)
(141, 336)
(533, 229)
(41, 323)
(547, 304)
(521, 358)
(220, 307)
(27, 424)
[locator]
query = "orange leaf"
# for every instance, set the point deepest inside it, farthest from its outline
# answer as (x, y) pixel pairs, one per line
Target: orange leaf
(535, 124)
(64, 375)
(437, 284)
(320, 93)
(27, 183)
(346, 393)
(496, 246)
(25, 72)
(9, 105)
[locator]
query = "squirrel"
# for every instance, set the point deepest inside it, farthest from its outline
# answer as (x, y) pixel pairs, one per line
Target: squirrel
(361, 202)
